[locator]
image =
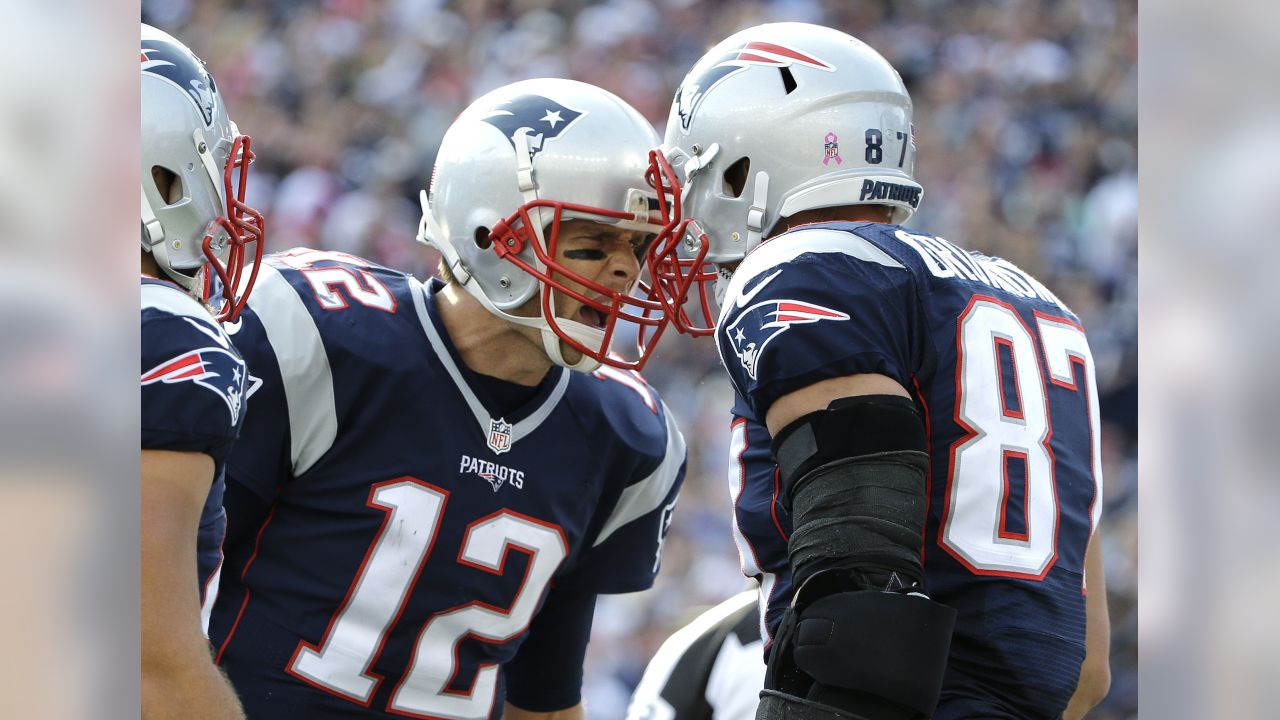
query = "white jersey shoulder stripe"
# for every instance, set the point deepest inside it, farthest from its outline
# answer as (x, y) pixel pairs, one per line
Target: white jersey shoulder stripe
(304, 367)
(645, 496)
(175, 301)
(178, 303)
(788, 247)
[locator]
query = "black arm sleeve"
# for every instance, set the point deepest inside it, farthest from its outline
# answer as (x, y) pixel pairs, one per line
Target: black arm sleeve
(546, 673)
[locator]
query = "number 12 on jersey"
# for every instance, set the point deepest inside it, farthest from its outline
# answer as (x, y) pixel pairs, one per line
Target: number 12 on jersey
(1011, 436)
(341, 662)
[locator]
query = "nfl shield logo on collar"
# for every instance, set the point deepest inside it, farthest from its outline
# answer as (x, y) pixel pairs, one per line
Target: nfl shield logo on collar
(499, 436)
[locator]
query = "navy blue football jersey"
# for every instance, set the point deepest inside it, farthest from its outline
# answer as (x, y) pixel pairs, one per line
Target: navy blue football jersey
(410, 526)
(193, 396)
(1002, 373)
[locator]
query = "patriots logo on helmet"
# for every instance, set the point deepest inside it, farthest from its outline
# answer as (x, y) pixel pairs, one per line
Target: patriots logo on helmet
(759, 324)
(173, 63)
(691, 94)
(540, 119)
(213, 368)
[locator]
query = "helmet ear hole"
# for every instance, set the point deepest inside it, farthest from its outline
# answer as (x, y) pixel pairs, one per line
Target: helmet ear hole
(482, 238)
(168, 184)
(735, 177)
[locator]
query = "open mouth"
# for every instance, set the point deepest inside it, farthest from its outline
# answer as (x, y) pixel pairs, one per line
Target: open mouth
(591, 316)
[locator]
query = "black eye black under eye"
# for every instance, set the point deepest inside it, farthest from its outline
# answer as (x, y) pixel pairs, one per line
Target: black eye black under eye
(585, 254)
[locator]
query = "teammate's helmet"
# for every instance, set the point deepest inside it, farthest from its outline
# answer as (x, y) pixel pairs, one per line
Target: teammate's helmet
(786, 117)
(515, 164)
(195, 166)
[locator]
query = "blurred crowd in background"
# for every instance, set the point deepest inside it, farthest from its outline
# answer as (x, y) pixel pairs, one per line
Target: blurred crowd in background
(1026, 116)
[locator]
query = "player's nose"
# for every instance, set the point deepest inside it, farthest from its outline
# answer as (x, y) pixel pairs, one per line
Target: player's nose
(623, 268)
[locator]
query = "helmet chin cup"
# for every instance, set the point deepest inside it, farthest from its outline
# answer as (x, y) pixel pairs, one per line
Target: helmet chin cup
(513, 235)
(551, 344)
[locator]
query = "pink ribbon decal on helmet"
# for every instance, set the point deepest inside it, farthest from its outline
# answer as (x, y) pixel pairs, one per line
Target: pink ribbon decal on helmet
(832, 149)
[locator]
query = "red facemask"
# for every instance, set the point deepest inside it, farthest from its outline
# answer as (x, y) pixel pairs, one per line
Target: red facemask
(244, 226)
(675, 274)
(650, 310)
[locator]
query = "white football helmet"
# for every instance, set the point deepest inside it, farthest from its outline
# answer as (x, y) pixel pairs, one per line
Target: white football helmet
(515, 164)
(195, 166)
(781, 118)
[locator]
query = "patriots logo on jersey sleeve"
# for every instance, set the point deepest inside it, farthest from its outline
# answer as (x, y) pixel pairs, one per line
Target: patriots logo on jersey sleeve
(541, 118)
(759, 324)
(213, 368)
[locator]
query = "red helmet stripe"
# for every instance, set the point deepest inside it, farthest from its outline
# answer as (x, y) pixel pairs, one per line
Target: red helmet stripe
(760, 59)
(785, 52)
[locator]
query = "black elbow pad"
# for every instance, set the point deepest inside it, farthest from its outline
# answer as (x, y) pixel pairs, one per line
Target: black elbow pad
(849, 427)
(860, 640)
(853, 476)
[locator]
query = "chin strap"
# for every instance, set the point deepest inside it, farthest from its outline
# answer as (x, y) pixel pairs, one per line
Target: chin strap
(551, 344)
(724, 276)
(525, 182)
(152, 240)
(588, 336)
(755, 215)
(550, 340)
(152, 230)
(584, 334)
(428, 230)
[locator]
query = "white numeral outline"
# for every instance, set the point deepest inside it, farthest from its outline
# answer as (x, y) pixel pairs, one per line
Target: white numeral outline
(371, 294)
(340, 663)
(1065, 348)
(631, 379)
(330, 664)
(433, 666)
(359, 285)
(976, 500)
(747, 556)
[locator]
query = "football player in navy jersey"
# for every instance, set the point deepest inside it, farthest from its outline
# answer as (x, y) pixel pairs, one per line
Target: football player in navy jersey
(916, 475)
(438, 478)
(195, 228)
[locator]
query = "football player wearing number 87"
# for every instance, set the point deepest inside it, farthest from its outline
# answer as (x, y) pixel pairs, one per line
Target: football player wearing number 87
(931, 415)
(438, 478)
